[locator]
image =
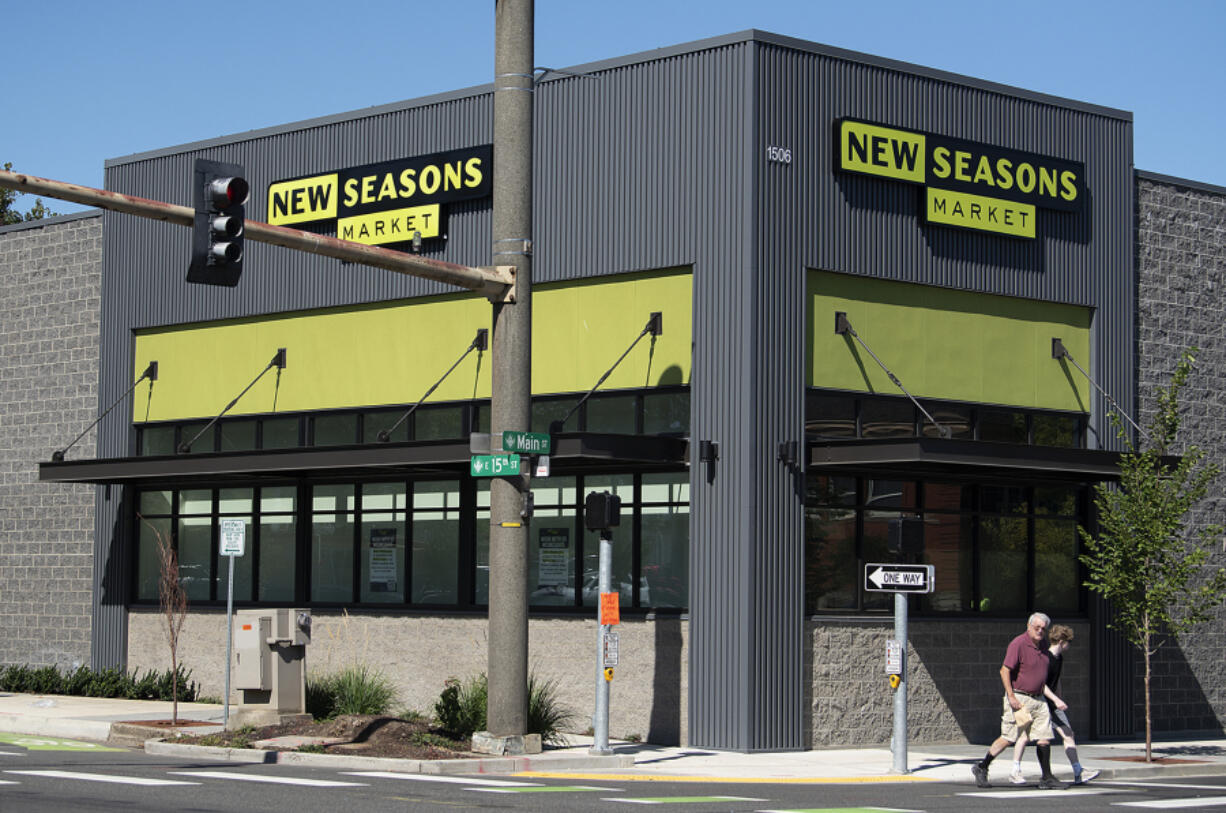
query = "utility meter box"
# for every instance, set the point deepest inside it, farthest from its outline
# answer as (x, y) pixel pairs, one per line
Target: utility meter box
(270, 665)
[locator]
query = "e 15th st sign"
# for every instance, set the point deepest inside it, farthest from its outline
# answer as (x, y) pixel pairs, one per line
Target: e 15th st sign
(892, 578)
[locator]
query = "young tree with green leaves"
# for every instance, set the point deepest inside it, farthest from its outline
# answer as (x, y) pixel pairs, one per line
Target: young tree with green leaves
(1145, 559)
(9, 215)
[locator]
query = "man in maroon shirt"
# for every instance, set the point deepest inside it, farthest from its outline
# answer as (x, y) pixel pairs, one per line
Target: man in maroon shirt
(1024, 674)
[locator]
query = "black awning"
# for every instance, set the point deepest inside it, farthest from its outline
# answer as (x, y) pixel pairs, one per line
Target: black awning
(573, 453)
(941, 457)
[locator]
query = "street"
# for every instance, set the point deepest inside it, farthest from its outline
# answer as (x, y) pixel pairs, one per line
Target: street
(48, 774)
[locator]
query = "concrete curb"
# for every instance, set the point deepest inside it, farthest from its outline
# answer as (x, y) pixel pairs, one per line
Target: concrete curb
(77, 729)
(493, 765)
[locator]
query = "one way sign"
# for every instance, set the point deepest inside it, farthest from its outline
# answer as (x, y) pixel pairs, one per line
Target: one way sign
(882, 578)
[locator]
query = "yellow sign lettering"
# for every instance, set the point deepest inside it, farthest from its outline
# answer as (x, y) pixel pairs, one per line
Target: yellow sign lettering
(393, 226)
(303, 200)
(982, 213)
(882, 151)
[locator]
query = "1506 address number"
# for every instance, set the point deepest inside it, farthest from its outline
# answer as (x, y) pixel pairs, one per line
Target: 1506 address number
(779, 155)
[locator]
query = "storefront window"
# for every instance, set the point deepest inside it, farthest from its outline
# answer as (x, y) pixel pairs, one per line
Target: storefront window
(611, 414)
(436, 542)
(1000, 549)
(408, 543)
(335, 430)
(666, 413)
(279, 433)
(237, 436)
(332, 548)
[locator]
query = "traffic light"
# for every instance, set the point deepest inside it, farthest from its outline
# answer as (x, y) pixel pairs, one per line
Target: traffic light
(602, 511)
(219, 192)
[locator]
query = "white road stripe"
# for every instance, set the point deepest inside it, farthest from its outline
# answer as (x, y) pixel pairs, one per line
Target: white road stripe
(13, 753)
(455, 780)
(274, 780)
(1160, 785)
(1035, 794)
(1175, 804)
(98, 777)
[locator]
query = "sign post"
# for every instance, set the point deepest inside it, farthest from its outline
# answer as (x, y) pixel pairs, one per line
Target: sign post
(233, 543)
(899, 580)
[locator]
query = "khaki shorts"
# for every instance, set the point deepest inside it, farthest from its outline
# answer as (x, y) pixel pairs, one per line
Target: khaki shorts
(1040, 729)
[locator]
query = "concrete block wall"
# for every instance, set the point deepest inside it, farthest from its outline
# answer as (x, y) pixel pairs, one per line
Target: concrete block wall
(49, 311)
(1181, 283)
(419, 653)
(953, 670)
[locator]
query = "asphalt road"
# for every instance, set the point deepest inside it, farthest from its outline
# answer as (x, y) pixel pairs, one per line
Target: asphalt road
(39, 774)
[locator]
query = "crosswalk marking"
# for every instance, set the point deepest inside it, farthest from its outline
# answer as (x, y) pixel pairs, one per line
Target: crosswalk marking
(98, 777)
(548, 789)
(455, 780)
(680, 800)
(1157, 784)
(1036, 794)
(275, 780)
(1174, 804)
(843, 810)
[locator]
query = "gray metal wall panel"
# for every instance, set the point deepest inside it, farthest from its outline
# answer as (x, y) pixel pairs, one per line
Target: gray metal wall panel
(814, 217)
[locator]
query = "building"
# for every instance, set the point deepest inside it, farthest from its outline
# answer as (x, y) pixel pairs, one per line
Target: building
(797, 214)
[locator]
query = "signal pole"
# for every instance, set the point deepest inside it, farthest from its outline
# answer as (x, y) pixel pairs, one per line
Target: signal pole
(511, 377)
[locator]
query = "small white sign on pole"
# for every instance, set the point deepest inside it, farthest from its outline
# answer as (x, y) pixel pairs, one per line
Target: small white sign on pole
(233, 537)
(233, 543)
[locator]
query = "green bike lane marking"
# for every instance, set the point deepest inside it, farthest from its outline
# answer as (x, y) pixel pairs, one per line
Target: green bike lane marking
(33, 743)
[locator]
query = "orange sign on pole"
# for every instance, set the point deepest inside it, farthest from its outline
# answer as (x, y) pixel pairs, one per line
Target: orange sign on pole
(610, 612)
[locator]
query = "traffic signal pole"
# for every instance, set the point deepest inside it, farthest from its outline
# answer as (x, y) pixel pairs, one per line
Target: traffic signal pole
(511, 373)
(496, 283)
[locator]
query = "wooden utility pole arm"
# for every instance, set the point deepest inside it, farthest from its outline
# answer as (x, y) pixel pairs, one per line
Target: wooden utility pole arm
(495, 282)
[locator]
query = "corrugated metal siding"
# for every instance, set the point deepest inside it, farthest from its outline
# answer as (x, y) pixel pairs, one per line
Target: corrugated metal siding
(814, 217)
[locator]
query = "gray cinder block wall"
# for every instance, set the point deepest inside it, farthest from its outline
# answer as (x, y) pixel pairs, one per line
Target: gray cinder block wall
(1181, 284)
(49, 311)
(953, 669)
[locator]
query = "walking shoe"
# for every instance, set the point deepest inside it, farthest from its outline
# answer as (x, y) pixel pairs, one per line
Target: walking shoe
(981, 775)
(1085, 776)
(1050, 783)
(1017, 778)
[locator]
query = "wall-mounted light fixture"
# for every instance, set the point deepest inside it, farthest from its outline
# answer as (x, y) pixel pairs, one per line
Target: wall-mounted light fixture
(789, 453)
(708, 451)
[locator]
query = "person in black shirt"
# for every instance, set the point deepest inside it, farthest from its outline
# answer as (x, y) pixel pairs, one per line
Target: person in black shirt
(1061, 638)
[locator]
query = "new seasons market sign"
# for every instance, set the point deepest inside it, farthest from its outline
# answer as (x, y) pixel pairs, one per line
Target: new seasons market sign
(385, 203)
(966, 184)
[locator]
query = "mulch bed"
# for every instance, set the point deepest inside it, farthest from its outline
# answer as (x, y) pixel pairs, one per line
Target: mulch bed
(361, 734)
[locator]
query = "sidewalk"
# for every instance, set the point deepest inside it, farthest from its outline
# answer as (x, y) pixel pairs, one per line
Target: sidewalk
(94, 719)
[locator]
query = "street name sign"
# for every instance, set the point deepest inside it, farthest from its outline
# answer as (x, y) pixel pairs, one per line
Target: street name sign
(893, 578)
(526, 442)
(494, 465)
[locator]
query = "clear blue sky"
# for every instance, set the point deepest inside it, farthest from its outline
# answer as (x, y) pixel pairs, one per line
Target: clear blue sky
(89, 80)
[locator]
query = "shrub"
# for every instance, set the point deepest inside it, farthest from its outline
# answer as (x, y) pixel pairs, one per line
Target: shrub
(461, 708)
(546, 714)
(85, 682)
(353, 690)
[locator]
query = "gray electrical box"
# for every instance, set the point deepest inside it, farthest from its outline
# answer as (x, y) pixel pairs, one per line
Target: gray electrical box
(270, 665)
(250, 634)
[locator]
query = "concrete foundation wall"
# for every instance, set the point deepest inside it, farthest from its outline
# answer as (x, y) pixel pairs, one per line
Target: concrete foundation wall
(49, 310)
(419, 653)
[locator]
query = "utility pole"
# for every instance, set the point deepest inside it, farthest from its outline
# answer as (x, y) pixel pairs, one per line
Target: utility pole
(511, 393)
